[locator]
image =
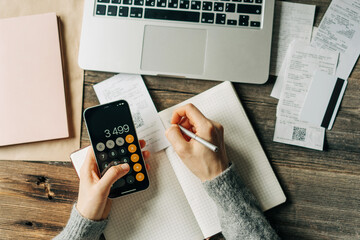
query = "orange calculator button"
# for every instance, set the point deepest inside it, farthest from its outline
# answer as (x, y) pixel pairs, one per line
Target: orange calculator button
(137, 167)
(129, 138)
(134, 157)
(140, 176)
(132, 148)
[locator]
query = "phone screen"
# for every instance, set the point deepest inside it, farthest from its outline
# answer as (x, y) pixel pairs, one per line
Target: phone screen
(113, 136)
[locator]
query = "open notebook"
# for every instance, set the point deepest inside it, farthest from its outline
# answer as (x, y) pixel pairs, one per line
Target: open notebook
(176, 206)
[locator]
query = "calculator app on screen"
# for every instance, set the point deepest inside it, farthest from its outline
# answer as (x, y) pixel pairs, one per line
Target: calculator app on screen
(114, 140)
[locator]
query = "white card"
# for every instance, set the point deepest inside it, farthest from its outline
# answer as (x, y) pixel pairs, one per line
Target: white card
(323, 100)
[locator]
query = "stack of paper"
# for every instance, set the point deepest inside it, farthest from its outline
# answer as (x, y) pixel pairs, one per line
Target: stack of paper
(313, 77)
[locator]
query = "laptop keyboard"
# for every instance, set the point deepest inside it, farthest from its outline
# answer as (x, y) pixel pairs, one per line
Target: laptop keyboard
(241, 13)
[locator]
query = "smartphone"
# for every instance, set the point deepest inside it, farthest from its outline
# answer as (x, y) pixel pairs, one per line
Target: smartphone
(113, 137)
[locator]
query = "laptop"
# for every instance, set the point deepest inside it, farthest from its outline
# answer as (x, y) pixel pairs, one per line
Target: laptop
(210, 40)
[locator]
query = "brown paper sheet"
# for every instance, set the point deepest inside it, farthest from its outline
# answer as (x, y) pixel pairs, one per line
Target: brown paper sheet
(70, 13)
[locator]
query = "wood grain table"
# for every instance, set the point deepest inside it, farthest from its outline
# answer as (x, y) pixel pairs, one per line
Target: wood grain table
(322, 187)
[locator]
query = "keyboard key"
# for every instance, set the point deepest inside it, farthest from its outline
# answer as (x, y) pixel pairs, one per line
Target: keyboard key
(258, 1)
(236, 0)
(196, 5)
(161, 3)
(136, 13)
(231, 22)
(207, 17)
(246, 8)
(127, 2)
(173, 4)
(139, 2)
(112, 11)
(186, 16)
(100, 9)
(230, 7)
(220, 18)
(150, 3)
(254, 24)
(184, 4)
(123, 11)
(244, 20)
(103, 1)
(248, 1)
(218, 7)
(116, 1)
(207, 6)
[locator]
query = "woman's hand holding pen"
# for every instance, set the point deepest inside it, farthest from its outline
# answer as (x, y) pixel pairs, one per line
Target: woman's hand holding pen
(203, 162)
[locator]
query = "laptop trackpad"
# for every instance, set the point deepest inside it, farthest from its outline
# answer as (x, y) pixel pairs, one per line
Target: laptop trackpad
(173, 50)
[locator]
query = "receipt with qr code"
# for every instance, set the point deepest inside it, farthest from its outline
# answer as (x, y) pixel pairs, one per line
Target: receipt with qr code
(299, 133)
(131, 88)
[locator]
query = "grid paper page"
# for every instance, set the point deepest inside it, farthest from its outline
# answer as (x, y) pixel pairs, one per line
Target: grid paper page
(160, 212)
(221, 104)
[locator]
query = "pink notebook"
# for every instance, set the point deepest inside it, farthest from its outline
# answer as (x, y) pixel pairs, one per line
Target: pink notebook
(32, 96)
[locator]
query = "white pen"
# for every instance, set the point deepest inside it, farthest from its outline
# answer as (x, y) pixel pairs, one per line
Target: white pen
(199, 139)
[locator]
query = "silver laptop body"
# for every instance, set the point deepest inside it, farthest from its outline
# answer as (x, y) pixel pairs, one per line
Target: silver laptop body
(152, 39)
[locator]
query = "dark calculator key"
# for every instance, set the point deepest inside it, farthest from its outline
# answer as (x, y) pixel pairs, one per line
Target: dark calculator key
(207, 17)
(116, 1)
(161, 3)
(119, 183)
(220, 18)
(130, 179)
(103, 1)
(123, 11)
(196, 5)
(100, 9)
(218, 7)
(127, 2)
(207, 6)
(230, 7)
(248, 1)
(184, 4)
(186, 16)
(113, 153)
(124, 160)
(254, 24)
(102, 156)
(173, 3)
(139, 2)
(231, 22)
(150, 3)
(122, 151)
(112, 11)
(246, 8)
(258, 1)
(136, 12)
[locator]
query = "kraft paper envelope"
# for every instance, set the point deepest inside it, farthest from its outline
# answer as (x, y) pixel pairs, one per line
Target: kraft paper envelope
(70, 13)
(32, 97)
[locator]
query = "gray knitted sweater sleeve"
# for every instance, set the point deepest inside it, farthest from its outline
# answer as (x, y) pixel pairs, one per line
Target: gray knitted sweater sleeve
(238, 210)
(80, 228)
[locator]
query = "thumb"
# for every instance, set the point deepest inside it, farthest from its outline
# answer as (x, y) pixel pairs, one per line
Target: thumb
(113, 174)
(176, 139)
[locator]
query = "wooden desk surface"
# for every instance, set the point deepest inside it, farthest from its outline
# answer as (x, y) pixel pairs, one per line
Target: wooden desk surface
(323, 188)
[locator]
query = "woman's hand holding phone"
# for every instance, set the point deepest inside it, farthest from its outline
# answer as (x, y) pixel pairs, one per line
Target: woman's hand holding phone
(93, 202)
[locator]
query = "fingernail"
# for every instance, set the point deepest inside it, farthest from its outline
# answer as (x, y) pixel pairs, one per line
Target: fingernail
(125, 167)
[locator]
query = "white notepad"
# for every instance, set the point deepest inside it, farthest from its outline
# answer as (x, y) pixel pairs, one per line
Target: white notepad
(176, 206)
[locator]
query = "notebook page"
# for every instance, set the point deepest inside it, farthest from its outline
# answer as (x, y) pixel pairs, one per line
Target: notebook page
(221, 104)
(160, 212)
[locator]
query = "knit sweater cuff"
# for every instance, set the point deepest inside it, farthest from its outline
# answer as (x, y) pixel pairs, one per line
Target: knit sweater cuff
(222, 188)
(79, 227)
